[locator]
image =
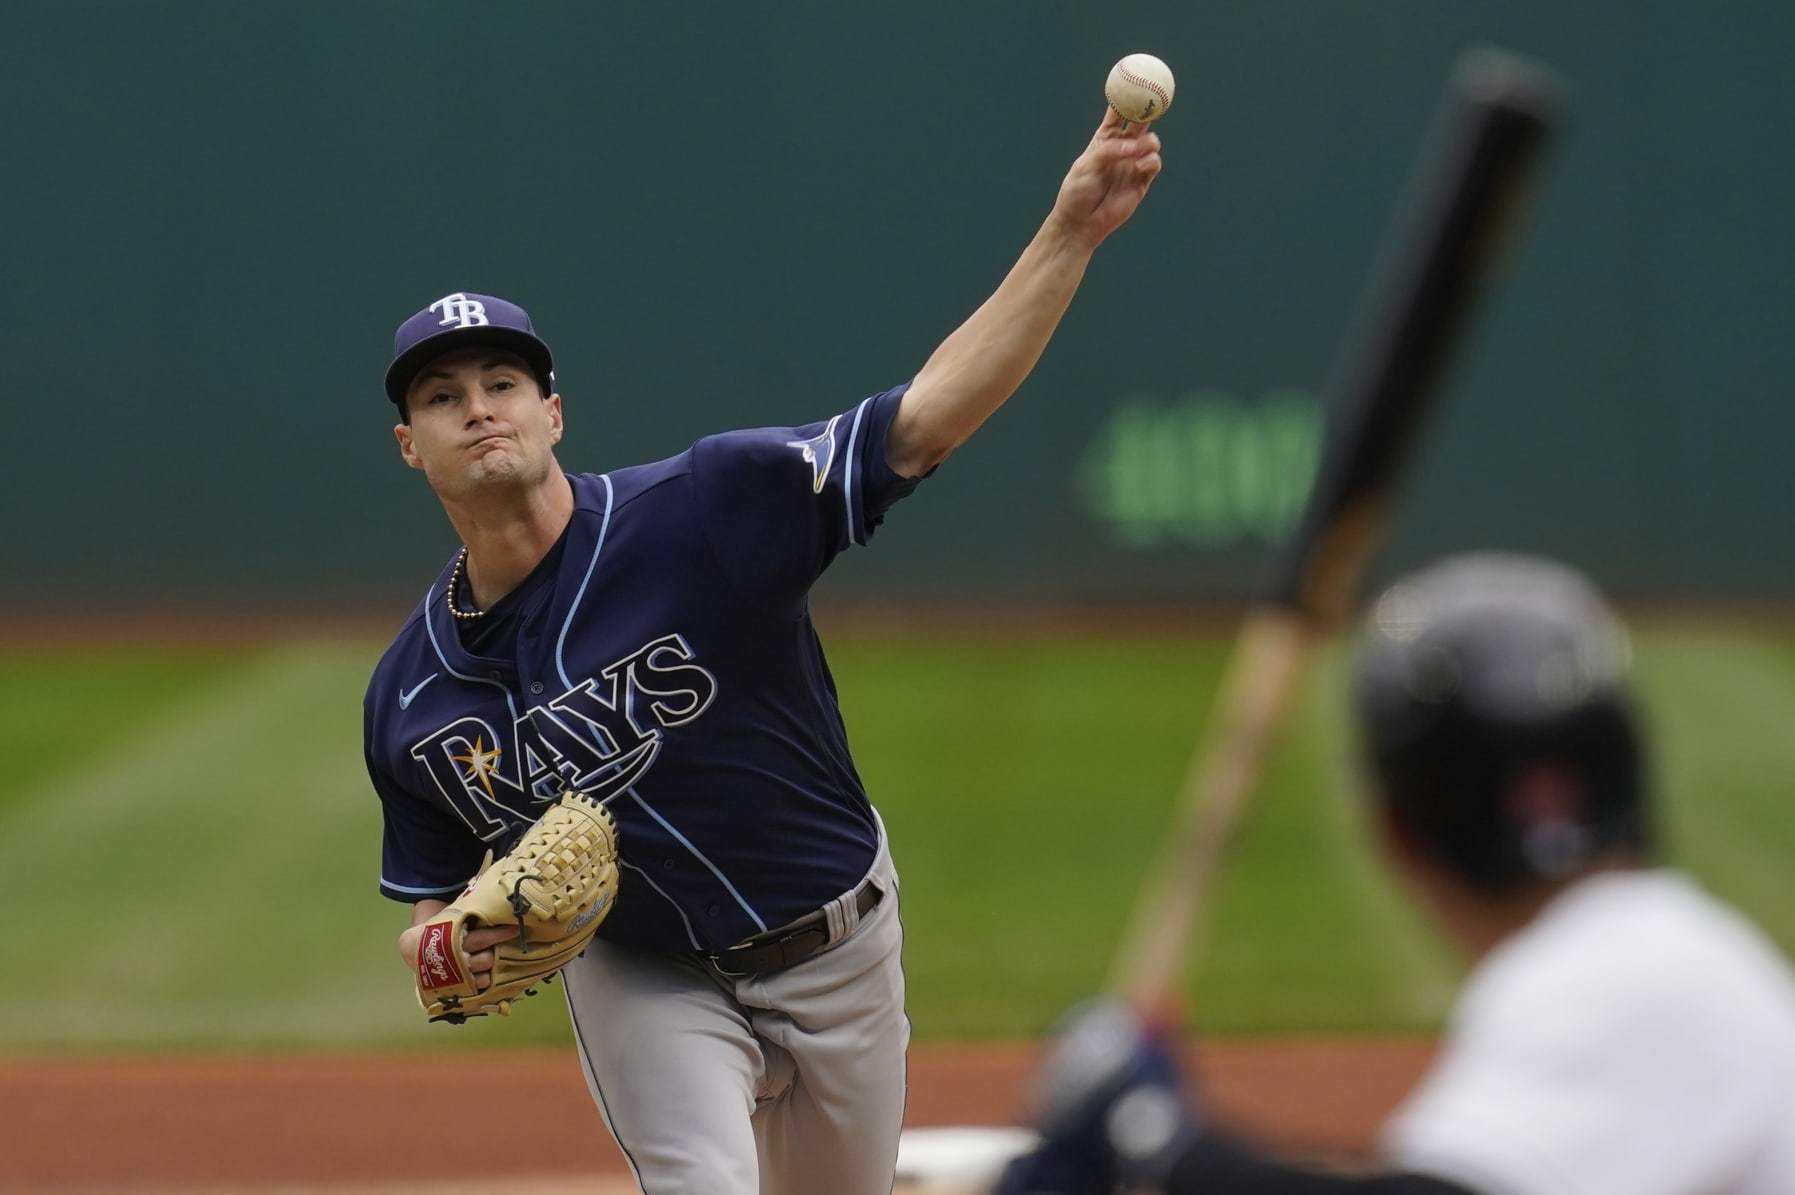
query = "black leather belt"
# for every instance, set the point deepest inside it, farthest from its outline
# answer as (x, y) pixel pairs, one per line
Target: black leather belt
(790, 944)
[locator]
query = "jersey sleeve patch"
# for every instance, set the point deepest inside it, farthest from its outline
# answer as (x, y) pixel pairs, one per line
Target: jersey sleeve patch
(819, 453)
(779, 504)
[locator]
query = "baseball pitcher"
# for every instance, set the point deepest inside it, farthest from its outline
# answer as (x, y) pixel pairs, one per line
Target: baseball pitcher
(614, 687)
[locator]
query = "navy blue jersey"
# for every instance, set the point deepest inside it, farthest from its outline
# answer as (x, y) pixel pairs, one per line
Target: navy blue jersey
(661, 657)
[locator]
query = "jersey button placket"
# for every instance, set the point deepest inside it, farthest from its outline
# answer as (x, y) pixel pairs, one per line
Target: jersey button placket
(535, 686)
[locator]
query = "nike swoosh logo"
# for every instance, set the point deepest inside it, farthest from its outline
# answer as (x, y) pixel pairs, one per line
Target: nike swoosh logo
(405, 698)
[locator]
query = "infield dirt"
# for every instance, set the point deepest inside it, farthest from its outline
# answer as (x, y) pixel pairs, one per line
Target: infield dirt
(380, 1125)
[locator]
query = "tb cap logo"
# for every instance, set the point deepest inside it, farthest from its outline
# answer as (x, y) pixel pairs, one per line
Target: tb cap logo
(459, 319)
(461, 311)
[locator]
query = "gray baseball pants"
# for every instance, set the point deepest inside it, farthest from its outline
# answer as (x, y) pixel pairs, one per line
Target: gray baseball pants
(784, 1084)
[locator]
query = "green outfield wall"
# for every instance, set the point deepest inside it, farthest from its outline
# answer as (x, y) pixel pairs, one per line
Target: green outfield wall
(725, 215)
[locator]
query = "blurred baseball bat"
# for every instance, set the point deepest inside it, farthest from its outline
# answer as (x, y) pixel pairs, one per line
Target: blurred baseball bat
(1464, 202)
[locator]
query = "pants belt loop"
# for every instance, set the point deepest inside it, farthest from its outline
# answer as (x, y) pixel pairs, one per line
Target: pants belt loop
(842, 914)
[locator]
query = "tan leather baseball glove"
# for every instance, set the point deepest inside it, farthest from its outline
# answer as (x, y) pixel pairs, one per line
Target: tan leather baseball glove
(555, 885)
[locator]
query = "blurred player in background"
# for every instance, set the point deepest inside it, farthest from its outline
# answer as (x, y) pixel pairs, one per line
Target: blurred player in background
(644, 636)
(1623, 1032)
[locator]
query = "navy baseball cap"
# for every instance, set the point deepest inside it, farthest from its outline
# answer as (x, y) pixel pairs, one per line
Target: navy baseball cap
(458, 321)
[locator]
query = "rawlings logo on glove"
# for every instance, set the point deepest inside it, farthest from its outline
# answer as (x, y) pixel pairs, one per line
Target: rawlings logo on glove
(555, 885)
(436, 958)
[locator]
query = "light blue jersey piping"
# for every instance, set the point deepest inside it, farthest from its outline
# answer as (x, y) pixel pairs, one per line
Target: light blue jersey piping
(847, 482)
(603, 528)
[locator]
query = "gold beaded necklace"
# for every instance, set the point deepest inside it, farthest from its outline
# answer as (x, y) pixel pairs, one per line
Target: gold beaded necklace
(449, 593)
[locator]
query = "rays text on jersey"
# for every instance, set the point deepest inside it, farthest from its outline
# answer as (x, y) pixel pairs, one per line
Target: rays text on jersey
(600, 736)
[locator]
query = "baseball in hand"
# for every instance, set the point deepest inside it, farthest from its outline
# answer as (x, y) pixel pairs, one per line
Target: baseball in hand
(1140, 88)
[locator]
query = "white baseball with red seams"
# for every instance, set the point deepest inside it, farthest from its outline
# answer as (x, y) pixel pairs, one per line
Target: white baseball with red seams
(1140, 87)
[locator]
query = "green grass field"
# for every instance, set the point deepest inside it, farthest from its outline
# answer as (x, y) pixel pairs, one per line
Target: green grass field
(191, 843)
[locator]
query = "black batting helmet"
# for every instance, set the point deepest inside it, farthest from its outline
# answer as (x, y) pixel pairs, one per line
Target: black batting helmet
(1493, 705)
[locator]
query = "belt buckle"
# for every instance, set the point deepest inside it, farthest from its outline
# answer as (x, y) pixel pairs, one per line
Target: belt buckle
(716, 961)
(753, 942)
